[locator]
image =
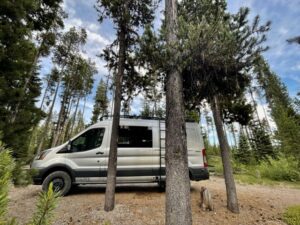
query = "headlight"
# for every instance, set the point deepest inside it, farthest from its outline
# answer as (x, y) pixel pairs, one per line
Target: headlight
(42, 155)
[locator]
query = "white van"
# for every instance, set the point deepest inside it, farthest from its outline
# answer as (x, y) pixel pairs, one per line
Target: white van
(141, 153)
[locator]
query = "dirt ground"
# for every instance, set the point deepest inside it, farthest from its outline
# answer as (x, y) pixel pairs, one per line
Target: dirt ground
(145, 204)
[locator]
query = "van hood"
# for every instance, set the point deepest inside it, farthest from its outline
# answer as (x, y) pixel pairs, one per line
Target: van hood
(57, 148)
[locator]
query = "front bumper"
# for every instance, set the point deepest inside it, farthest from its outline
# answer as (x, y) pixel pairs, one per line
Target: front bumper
(39, 173)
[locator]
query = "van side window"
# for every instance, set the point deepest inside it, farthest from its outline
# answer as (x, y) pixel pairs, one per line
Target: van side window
(135, 137)
(88, 140)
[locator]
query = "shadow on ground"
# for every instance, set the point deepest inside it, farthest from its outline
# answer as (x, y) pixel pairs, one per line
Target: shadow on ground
(128, 188)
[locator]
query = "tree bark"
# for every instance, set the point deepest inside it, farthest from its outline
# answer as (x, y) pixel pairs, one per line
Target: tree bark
(41, 145)
(45, 93)
(233, 135)
(61, 115)
(178, 203)
(232, 201)
(64, 128)
(113, 152)
(255, 106)
(74, 118)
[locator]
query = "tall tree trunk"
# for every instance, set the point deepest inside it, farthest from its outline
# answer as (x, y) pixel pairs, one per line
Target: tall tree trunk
(74, 118)
(113, 152)
(83, 110)
(61, 114)
(178, 202)
(233, 135)
(45, 131)
(266, 117)
(44, 95)
(232, 200)
(64, 129)
(208, 129)
(255, 105)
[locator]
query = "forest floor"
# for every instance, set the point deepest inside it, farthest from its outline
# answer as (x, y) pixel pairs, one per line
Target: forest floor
(145, 204)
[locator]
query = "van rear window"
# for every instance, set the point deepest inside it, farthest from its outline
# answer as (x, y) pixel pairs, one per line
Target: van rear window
(135, 137)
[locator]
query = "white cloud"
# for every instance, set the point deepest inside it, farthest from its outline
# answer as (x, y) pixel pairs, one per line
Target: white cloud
(96, 38)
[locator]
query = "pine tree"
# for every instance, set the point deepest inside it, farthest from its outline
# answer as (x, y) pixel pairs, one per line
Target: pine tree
(243, 153)
(146, 111)
(178, 203)
(55, 77)
(45, 18)
(101, 102)
(16, 55)
(80, 125)
(297, 103)
(45, 206)
(6, 169)
(216, 66)
(282, 110)
(66, 58)
(128, 16)
(261, 143)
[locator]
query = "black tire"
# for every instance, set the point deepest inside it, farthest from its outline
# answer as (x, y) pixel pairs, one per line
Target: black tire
(162, 185)
(61, 180)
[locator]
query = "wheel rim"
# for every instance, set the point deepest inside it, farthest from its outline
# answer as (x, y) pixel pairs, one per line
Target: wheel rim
(58, 184)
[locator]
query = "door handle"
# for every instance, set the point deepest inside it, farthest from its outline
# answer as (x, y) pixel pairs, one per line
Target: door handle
(99, 153)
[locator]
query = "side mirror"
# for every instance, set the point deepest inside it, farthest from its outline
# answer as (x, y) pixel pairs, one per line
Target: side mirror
(69, 146)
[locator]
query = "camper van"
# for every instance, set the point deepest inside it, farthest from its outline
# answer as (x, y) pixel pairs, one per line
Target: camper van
(141, 155)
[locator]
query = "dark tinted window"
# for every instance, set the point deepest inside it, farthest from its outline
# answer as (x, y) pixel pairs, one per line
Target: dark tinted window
(135, 137)
(89, 140)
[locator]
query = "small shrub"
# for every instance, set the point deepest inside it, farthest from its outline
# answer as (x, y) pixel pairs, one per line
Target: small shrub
(292, 215)
(21, 176)
(6, 168)
(280, 170)
(215, 163)
(46, 204)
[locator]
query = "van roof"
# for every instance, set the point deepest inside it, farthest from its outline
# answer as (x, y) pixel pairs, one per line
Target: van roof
(109, 117)
(135, 121)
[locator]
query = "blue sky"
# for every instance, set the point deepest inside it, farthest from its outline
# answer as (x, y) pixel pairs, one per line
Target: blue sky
(283, 58)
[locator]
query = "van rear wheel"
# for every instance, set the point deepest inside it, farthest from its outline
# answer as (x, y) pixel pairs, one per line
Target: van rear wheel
(61, 182)
(162, 185)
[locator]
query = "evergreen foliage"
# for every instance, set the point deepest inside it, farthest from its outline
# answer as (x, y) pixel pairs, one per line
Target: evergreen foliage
(16, 57)
(6, 169)
(45, 206)
(152, 110)
(128, 17)
(101, 102)
(146, 111)
(46, 203)
(243, 152)
(282, 110)
(75, 77)
(22, 22)
(261, 143)
(137, 15)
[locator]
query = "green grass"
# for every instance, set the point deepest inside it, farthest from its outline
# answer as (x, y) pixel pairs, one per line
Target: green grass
(249, 179)
(278, 172)
(292, 215)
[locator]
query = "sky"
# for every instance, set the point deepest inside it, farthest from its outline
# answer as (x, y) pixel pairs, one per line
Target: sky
(284, 58)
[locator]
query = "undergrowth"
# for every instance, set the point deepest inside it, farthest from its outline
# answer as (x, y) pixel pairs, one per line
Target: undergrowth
(292, 215)
(272, 173)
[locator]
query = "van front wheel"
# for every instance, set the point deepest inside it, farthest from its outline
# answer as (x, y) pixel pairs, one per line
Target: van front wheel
(61, 182)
